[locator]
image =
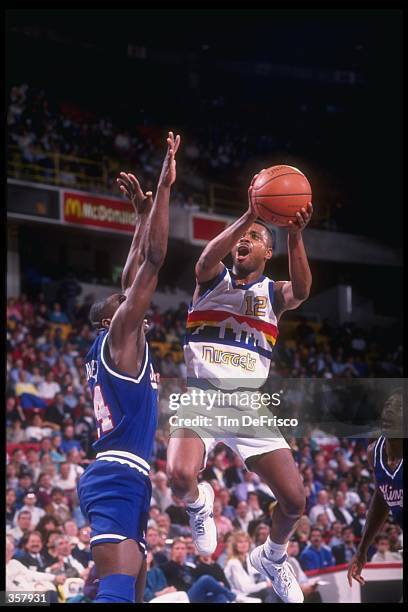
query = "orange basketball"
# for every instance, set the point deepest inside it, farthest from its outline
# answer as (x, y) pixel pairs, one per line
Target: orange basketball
(279, 192)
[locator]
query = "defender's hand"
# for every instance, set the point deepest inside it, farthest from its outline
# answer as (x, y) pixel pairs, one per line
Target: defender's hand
(355, 568)
(168, 173)
(302, 219)
(130, 187)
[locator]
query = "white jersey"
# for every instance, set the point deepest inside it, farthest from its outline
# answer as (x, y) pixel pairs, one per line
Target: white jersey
(230, 334)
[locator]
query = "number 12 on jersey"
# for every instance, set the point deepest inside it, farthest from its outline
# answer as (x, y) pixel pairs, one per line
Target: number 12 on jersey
(102, 412)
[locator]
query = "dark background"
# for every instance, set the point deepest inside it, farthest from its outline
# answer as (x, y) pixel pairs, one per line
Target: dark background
(82, 56)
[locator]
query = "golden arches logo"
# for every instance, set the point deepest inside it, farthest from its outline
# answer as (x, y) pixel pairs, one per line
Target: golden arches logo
(73, 207)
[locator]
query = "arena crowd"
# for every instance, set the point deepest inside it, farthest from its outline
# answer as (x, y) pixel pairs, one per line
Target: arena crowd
(50, 430)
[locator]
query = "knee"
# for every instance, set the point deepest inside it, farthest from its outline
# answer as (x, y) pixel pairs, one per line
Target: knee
(293, 506)
(181, 477)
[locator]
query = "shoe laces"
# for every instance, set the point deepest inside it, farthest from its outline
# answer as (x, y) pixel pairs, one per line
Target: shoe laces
(283, 575)
(199, 524)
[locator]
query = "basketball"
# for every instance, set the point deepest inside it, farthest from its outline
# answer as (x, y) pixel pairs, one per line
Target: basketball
(279, 192)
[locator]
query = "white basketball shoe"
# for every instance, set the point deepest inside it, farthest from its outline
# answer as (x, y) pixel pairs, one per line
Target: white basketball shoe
(203, 529)
(281, 575)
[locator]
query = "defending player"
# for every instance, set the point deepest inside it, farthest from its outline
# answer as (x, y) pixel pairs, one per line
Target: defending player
(115, 491)
(385, 458)
(231, 330)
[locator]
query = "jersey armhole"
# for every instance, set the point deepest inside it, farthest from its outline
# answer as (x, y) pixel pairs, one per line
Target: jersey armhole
(377, 448)
(271, 291)
(210, 285)
(123, 375)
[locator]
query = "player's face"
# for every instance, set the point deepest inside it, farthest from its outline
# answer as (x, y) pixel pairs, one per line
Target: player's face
(252, 249)
(391, 416)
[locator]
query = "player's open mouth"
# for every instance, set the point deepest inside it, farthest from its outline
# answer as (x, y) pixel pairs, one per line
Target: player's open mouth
(242, 251)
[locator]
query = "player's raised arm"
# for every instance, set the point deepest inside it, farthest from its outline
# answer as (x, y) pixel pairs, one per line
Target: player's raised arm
(290, 294)
(131, 313)
(210, 263)
(142, 203)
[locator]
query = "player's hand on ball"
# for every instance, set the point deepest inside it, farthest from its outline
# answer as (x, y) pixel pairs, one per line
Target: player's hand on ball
(251, 204)
(130, 187)
(302, 219)
(168, 173)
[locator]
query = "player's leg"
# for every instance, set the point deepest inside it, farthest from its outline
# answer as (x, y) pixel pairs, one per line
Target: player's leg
(279, 471)
(272, 460)
(186, 455)
(118, 566)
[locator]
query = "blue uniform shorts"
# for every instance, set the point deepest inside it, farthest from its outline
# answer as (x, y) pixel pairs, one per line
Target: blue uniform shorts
(115, 500)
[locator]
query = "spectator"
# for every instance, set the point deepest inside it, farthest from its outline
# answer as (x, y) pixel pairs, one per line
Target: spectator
(30, 505)
(336, 530)
(181, 576)
(47, 525)
(38, 429)
(359, 520)
(66, 480)
(56, 453)
(157, 589)
(177, 512)
(227, 510)
(24, 525)
(44, 489)
(82, 550)
(66, 563)
(309, 587)
(50, 549)
(68, 440)
(383, 554)
(339, 509)
(261, 534)
(161, 492)
(58, 508)
(57, 316)
(20, 578)
(28, 394)
(242, 519)
(10, 506)
(241, 575)
(222, 523)
(254, 509)
(49, 388)
(154, 545)
(322, 506)
(57, 412)
(32, 545)
(344, 552)
(316, 555)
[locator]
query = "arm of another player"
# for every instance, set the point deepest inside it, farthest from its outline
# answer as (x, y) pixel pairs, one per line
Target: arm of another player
(130, 314)
(142, 203)
(210, 263)
(288, 295)
(376, 516)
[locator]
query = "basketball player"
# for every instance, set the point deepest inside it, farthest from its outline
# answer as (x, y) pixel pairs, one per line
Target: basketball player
(115, 490)
(231, 330)
(385, 457)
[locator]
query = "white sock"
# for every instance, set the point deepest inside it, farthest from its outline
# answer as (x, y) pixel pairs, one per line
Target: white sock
(274, 551)
(200, 501)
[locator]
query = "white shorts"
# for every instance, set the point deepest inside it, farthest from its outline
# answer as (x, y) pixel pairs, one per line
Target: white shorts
(202, 420)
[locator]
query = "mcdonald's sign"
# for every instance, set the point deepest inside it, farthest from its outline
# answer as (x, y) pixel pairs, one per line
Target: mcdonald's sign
(98, 212)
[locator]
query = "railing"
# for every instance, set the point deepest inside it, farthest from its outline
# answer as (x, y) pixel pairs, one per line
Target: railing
(84, 174)
(58, 169)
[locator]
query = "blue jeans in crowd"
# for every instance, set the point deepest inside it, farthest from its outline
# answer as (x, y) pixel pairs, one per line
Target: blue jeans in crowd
(208, 590)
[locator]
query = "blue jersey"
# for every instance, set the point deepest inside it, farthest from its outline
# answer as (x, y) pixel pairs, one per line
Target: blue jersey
(389, 483)
(125, 406)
